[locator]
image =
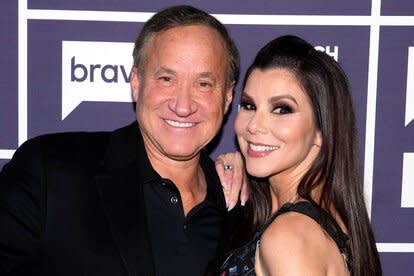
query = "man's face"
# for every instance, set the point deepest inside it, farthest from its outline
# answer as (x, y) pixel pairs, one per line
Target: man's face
(181, 94)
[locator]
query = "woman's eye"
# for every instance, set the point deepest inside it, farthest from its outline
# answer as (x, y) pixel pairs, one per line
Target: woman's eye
(283, 109)
(247, 106)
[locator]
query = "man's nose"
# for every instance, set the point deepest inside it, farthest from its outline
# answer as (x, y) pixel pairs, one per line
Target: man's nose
(182, 103)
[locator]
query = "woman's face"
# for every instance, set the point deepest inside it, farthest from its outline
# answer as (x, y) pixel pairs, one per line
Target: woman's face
(275, 127)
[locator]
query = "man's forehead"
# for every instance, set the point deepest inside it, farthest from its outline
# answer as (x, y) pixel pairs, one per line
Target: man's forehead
(186, 45)
(191, 49)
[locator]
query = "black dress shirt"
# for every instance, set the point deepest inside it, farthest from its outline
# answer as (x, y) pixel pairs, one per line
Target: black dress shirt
(184, 245)
(74, 204)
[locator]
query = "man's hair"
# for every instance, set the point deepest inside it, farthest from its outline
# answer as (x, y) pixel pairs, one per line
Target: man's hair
(184, 16)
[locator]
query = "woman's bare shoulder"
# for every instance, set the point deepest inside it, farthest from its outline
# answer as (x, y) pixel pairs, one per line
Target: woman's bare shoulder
(295, 244)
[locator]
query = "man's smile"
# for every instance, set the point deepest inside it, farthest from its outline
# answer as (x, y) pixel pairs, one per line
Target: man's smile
(179, 124)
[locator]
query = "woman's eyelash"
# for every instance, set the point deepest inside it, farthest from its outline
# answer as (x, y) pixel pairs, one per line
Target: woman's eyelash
(247, 106)
(278, 108)
(283, 109)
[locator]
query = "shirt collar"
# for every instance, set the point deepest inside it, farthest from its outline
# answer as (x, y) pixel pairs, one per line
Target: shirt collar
(214, 190)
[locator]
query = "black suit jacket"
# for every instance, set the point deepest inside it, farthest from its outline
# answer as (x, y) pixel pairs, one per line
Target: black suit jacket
(72, 204)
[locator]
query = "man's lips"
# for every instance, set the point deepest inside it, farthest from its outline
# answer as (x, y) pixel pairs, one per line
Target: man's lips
(179, 124)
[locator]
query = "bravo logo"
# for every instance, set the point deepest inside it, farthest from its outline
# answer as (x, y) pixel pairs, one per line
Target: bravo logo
(95, 72)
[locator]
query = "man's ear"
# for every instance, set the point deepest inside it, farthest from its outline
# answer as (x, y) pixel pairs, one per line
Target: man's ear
(228, 97)
(135, 83)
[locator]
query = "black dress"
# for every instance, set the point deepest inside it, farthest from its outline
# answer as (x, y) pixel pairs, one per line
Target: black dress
(241, 261)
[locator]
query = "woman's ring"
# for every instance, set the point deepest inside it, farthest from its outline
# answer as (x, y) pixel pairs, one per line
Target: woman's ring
(228, 167)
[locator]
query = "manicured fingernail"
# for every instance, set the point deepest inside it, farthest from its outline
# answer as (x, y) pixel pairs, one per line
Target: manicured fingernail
(227, 201)
(231, 205)
(243, 201)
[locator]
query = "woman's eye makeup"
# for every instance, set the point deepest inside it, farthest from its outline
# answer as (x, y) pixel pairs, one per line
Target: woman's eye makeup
(247, 105)
(278, 106)
(282, 109)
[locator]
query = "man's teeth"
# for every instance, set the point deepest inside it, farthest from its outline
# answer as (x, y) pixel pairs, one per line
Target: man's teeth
(178, 124)
(262, 148)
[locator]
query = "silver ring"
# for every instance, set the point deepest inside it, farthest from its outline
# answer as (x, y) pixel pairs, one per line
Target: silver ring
(228, 167)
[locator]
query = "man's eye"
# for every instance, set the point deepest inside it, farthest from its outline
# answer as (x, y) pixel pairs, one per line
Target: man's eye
(283, 109)
(205, 84)
(247, 106)
(164, 78)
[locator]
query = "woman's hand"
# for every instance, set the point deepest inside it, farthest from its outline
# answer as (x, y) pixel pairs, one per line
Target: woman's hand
(230, 169)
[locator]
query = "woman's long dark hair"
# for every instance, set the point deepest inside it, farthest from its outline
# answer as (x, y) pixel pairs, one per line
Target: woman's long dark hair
(337, 166)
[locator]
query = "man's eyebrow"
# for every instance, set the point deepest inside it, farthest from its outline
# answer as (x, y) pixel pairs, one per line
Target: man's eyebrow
(207, 75)
(165, 70)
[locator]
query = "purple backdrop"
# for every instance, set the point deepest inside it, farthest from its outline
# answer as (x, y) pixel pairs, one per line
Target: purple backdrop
(349, 41)
(8, 75)
(319, 7)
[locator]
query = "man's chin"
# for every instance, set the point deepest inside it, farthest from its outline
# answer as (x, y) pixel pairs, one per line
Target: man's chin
(186, 157)
(183, 155)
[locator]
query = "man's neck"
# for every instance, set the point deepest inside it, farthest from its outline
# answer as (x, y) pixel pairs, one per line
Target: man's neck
(187, 175)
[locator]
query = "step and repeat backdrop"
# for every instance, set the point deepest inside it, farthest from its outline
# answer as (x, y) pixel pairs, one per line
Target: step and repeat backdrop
(65, 66)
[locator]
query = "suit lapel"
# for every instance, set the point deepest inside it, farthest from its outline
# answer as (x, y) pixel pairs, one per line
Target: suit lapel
(120, 187)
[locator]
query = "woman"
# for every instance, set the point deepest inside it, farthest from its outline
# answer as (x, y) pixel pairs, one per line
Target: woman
(296, 130)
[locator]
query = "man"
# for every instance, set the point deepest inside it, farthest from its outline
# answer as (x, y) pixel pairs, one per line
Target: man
(144, 199)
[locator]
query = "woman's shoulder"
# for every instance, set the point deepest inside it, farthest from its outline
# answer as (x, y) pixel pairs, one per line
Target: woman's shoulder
(295, 244)
(293, 230)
